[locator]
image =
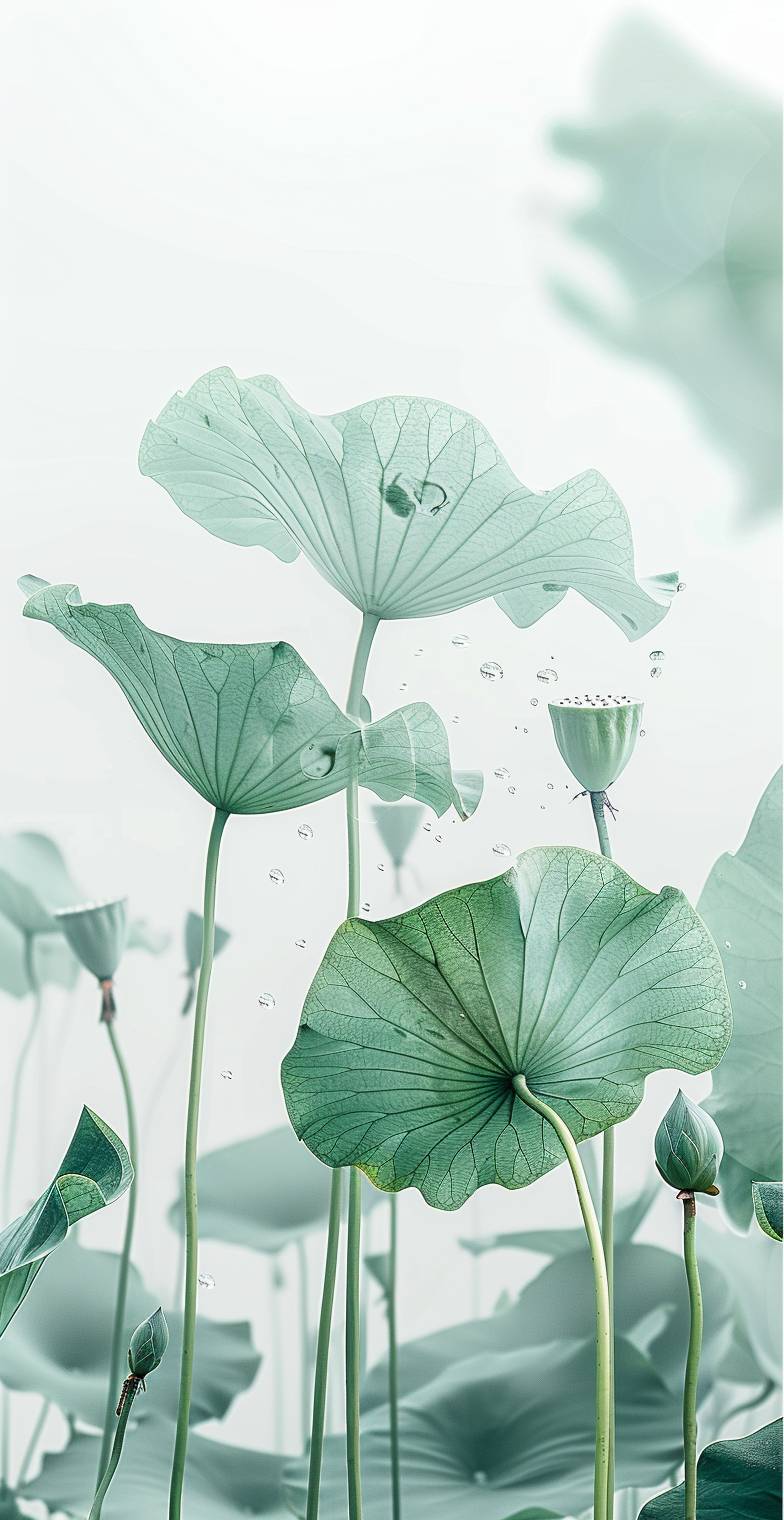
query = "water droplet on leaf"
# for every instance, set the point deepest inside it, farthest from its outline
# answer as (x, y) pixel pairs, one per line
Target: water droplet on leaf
(317, 760)
(743, 985)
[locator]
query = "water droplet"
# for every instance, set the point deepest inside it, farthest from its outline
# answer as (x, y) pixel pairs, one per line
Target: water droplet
(266, 1000)
(501, 773)
(227, 1074)
(547, 677)
(460, 640)
(491, 671)
(656, 671)
(427, 827)
(456, 718)
(643, 732)
(501, 849)
(381, 866)
(439, 838)
(534, 701)
(418, 653)
(480, 1477)
(681, 586)
(542, 807)
(728, 944)
(366, 907)
(403, 686)
(317, 760)
(743, 985)
(525, 730)
(550, 786)
(511, 790)
(657, 655)
(276, 876)
(305, 831)
(206, 1280)
(300, 944)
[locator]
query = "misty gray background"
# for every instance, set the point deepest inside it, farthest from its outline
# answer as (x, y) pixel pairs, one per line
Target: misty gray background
(360, 200)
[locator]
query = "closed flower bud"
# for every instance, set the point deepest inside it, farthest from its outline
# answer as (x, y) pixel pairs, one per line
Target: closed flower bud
(688, 1148)
(97, 934)
(596, 736)
(148, 1345)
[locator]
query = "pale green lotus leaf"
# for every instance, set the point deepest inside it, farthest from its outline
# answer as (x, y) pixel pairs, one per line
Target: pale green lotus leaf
(768, 1211)
(651, 1312)
(755, 1270)
(742, 905)
(736, 1480)
(248, 725)
(58, 1345)
(397, 827)
(504, 1431)
(403, 504)
(262, 1193)
(95, 1171)
(143, 935)
(629, 1215)
(564, 970)
(194, 927)
(50, 959)
(221, 1482)
(34, 880)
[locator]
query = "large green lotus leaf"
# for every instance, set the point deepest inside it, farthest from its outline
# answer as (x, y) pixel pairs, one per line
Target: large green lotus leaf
(507, 1430)
(629, 1215)
(221, 1482)
(52, 961)
(563, 970)
(404, 504)
(248, 725)
(736, 1480)
(95, 1171)
(57, 1345)
(741, 904)
(263, 1193)
(34, 879)
(651, 1311)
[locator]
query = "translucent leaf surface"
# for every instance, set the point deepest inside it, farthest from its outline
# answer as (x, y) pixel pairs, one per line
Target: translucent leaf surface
(248, 725)
(95, 1171)
(34, 880)
(564, 970)
(741, 904)
(403, 504)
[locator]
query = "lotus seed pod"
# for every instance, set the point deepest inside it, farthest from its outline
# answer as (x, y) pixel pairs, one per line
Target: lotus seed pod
(97, 933)
(688, 1147)
(148, 1345)
(596, 736)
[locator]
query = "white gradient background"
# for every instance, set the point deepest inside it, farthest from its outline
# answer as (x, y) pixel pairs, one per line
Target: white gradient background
(360, 200)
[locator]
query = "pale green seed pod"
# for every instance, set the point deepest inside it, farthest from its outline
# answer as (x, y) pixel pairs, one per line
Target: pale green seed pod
(97, 933)
(688, 1147)
(596, 736)
(148, 1345)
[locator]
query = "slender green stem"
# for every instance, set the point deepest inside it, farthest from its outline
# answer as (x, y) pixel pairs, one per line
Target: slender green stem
(353, 705)
(116, 1453)
(119, 1327)
(322, 1346)
(353, 1261)
(275, 1357)
(608, 1191)
(692, 1356)
(35, 1436)
(191, 1152)
(601, 1294)
(304, 1340)
(12, 1136)
(394, 1438)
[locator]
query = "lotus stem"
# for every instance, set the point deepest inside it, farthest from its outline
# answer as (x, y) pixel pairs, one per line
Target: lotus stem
(118, 1327)
(322, 1346)
(601, 1493)
(125, 1407)
(394, 1435)
(608, 1189)
(191, 1152)
(35, 1436)
(693, 1354)
(353, 1263)
(304, 1337)
(8, 1167)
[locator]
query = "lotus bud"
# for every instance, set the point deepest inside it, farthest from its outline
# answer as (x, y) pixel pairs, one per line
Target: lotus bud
(688, 1147)
(769, 1207)
(97, 934)
(148, 1345)
(596, 736)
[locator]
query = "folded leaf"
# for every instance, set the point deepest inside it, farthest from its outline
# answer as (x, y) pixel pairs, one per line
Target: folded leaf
(736, 1480)
(57, 1345)
(742, 905)
(404, 504)
(221, 1483)
(95, 1171)
(248, 725)
(563, 970)
(767, 1198)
